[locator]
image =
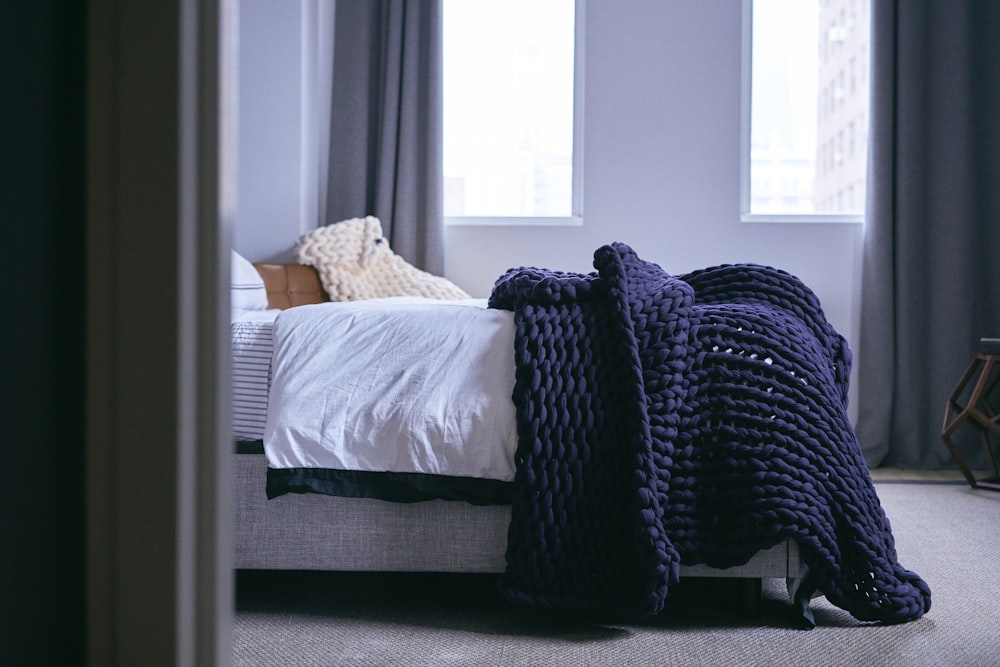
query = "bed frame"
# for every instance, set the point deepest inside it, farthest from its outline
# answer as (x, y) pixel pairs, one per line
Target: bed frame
(319, 532)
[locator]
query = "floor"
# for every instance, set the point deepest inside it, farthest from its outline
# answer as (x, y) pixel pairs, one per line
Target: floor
(920, 475)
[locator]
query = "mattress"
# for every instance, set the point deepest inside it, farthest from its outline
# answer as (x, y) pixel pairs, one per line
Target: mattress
(403, 399)
(251, 372)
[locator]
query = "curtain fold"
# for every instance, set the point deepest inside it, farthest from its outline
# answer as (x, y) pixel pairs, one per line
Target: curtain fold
(931, 260)
(386, 123)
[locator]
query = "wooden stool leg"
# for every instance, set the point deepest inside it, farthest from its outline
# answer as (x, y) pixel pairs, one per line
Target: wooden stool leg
(976, 412)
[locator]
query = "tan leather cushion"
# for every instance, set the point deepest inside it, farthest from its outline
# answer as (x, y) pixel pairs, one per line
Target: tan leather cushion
(290, 285)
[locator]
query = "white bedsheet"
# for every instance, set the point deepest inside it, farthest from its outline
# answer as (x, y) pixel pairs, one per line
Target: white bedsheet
(400, 384)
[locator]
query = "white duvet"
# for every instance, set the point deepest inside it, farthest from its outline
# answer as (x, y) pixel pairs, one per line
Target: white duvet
(399, 384)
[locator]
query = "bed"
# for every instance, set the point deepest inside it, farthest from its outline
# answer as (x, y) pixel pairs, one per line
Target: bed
(704, 414)
(308, 531)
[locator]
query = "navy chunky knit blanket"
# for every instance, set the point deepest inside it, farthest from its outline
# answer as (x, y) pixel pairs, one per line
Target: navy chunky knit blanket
(685, 419)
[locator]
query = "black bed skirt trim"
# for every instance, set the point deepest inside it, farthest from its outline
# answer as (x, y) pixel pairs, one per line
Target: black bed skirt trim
(399, 487)
(249, 446)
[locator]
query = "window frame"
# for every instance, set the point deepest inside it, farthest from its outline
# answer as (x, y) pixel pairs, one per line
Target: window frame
(746, 94)
(575, 219)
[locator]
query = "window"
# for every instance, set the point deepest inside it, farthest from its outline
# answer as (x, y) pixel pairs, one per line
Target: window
(512, 121)
(804, 88)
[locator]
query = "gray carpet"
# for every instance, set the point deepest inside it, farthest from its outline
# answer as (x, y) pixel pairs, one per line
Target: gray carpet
(945, 531)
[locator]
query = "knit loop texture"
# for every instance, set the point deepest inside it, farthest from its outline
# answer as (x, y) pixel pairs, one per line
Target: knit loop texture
(700, 418)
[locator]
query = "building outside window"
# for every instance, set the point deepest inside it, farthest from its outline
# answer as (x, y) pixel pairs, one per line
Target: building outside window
(805, 96)
(512, 73)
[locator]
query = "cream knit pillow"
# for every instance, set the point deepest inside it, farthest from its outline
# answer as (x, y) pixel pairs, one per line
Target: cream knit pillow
(354, 262)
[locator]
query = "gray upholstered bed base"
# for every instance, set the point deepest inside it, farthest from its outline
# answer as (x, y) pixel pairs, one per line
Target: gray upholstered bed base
(317, 532)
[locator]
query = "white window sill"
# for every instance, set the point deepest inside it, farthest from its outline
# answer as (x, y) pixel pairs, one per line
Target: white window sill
(803, 218)
(515, 221)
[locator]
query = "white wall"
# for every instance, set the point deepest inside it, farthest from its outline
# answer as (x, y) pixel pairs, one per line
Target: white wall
(661, 150)
(277, 149)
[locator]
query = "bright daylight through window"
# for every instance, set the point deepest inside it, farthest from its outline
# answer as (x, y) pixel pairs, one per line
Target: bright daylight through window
(805, 150)
(509, 131)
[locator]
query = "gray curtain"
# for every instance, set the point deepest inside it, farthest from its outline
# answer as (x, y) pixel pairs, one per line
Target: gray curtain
(931, 264)
(386, 123)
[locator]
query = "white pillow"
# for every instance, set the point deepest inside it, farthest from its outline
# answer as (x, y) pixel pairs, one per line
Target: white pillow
(248, 291)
